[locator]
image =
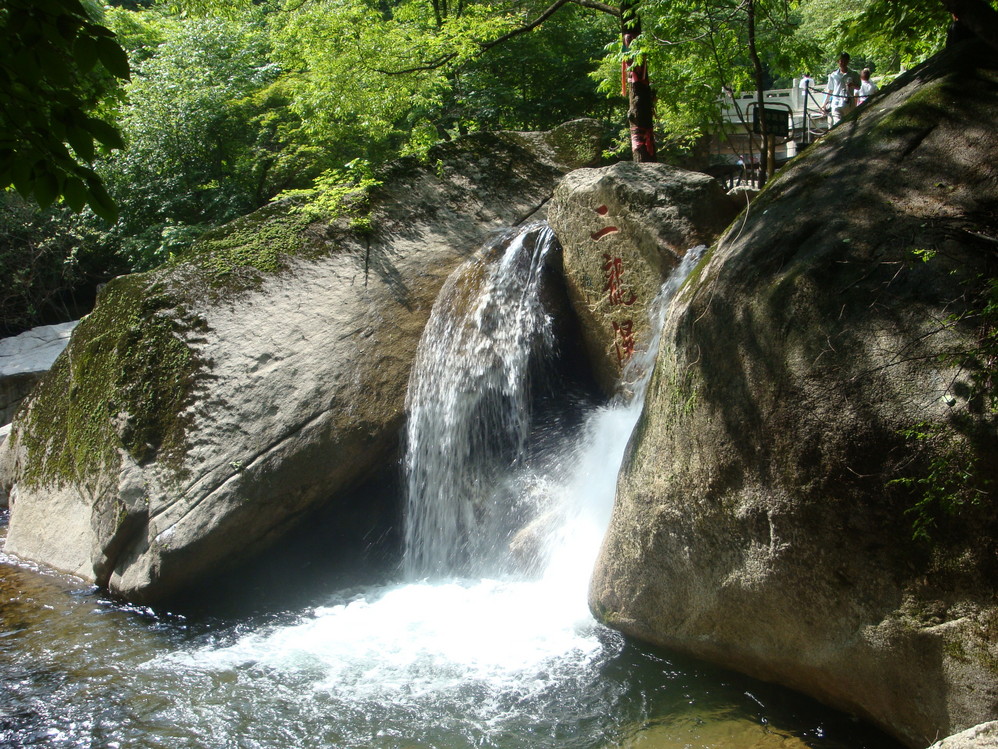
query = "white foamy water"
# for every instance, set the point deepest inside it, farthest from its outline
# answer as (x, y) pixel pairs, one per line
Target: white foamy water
(419, 642)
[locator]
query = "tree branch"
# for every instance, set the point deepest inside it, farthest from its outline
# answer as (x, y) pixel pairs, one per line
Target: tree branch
(551, 10)
(486, 46)
(438, 63)
(602, 7)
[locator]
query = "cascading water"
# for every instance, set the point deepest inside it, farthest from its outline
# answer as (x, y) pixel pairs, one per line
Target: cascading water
(469, 404)
(462, 653)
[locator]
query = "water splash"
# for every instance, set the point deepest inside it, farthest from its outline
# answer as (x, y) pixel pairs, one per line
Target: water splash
(469, 659)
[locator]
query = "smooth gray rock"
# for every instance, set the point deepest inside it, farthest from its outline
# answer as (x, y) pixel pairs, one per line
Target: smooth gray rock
(24, 359)
(205, 408)
(809, 496)
(983, 736)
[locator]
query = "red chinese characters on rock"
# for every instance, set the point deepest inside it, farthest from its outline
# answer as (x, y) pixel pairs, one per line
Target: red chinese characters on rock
(598, 235)
(613, 268)
(617, 294)
(623, 340)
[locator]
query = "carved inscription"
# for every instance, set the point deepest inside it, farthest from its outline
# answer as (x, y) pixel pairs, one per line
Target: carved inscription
(623, 340)
(617, 293)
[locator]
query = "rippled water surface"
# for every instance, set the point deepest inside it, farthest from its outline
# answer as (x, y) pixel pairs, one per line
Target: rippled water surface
(459, 664)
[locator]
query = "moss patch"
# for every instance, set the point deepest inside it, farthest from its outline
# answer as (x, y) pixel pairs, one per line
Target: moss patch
(576, 144)
(239, 255)
(916, 116)
(124, 382)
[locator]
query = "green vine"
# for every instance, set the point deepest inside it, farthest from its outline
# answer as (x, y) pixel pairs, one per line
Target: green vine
(950, 484)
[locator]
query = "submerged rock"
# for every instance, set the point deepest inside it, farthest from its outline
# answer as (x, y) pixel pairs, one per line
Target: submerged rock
(623, 229)
(809, 496)
(205, 408)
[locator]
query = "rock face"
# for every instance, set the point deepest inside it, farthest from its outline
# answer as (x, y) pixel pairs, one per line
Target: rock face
(203, 409)
(24, 359)
(809, 496)
(984, 736)
(623, 229)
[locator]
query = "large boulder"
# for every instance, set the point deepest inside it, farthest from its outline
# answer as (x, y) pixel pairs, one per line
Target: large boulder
(623, 229)
(809, 496)
(203, 409)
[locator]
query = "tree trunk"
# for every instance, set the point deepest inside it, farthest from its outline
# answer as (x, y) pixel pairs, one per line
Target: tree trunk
(764, 166)
(640, 101)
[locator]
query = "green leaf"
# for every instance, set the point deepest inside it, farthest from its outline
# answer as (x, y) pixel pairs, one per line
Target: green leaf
(21, 176)
(85, 52)
(113, 57)
(105, 133)
(46, 188)
(68, 25)
(75, 192)
(99, 200)
(82, 142)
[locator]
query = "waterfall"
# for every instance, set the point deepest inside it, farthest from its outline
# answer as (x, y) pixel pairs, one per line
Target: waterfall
(471, 489)
(469, 404)
(467, 650)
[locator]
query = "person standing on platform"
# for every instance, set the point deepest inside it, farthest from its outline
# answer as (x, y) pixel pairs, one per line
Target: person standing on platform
(867, 88)
(842, 84)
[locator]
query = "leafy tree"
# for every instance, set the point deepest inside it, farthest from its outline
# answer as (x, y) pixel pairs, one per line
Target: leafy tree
(57, 64)
(699, 50)
(537, 80)
(50, 262)
(191, 121)
(374, 80)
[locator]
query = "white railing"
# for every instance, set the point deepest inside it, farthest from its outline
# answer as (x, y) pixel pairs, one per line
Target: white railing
(737, 109)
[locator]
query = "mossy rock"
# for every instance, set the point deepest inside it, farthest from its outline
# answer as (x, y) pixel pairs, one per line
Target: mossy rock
(828, 368)
(124, 382)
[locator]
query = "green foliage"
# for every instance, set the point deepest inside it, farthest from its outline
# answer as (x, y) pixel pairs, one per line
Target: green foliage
(36, 262)
(48, 262)
(697, 51)
(983, 360)
(335, 194)
(537, 80)
(884, 36)
(57, 63)
(952, 478)
(191, 161)
(234, 103)
(338, 50)
(951, 482)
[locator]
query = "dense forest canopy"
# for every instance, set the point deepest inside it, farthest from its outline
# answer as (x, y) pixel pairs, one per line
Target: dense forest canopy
(112, 164)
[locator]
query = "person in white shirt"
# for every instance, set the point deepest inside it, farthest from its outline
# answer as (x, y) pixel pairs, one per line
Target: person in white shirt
(867, 88)
(842, 83)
